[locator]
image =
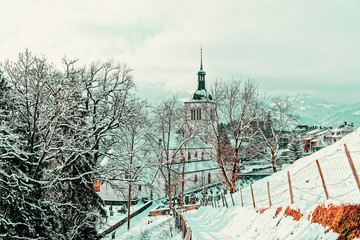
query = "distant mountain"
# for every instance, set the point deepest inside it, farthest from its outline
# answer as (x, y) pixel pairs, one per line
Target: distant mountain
(315, 111)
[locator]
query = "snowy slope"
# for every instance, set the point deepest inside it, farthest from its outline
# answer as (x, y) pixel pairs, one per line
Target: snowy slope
(244, 223)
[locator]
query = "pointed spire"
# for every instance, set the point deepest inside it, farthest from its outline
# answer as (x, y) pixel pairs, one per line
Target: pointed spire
(201, 67)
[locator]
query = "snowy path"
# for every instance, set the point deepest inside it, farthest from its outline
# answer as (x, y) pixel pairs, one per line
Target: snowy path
(203, 228)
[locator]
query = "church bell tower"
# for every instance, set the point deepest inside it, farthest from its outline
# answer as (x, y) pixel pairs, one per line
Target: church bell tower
(201, 118)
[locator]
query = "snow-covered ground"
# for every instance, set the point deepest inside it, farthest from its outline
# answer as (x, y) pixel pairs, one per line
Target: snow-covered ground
(150, 228)
(244, 223)
(117, 215)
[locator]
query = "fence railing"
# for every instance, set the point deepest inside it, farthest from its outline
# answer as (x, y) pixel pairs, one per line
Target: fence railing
(216, 200)
(124, 220)
(182, 225)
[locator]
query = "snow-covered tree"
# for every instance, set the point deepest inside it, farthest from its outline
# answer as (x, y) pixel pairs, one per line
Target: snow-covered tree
(24, 213)
(53, 139)
(295, 148)
(236, 104)
(131, 153)
(169, 128)
(279, 121)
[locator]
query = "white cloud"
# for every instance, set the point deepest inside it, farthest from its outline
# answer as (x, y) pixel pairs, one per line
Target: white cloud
(284, 45)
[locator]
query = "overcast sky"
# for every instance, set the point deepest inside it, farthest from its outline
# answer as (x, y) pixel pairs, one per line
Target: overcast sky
(309, 46)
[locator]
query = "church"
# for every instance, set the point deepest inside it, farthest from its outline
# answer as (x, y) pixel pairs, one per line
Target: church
(194, 161)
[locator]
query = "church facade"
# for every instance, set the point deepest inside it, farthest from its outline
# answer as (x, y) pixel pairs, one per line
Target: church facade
(196, 160)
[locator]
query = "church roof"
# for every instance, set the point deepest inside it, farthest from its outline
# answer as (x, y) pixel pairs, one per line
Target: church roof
(195, 166)
(201, 94)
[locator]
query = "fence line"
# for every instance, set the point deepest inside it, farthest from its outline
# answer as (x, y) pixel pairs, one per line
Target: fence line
(182, 225)
(332, 174)
(331, 177)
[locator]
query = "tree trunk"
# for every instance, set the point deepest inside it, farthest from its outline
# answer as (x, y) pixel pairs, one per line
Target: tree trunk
(129, 205)
(273, 159)
(169, 189)
(273, 162)
(183, 183)
(232, 199)
(233, 179)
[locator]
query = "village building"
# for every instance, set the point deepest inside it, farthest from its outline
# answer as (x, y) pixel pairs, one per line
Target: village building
(317, 138)
(338, 133)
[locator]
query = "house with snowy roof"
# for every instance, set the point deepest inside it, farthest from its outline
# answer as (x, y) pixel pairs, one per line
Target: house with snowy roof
(318, 138)
(338, 133)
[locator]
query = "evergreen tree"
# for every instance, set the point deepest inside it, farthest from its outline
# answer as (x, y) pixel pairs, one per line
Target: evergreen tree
(295, 149)
(55, 130)
(23, 213)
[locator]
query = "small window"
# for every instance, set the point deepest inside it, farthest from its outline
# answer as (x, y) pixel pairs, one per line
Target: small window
(202, 155)
(196, 155)
(192, 114)
(195, 179)
(189, 156)
(199, 114)
(212, 114)
(139, 187)
(209, 178)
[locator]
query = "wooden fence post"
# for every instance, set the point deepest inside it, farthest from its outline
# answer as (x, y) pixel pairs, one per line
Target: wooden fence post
(290, 187)
(352, 166)
(242, 203)
(252, 194)
(322, 179)
(268, 187)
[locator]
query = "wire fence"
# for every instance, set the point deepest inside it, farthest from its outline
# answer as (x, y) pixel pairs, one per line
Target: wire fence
(332, 177)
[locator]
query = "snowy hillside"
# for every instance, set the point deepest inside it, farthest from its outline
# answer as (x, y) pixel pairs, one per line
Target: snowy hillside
(308, 193)
(315, 111)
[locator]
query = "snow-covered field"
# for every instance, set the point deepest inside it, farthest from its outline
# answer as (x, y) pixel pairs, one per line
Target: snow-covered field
(244, 223)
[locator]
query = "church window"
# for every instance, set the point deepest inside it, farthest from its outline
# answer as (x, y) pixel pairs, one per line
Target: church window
(192, 114)
(202, 155)
(209, 178)
(212, 114)
(199, 114)
(196, 155)
(195, 179)
(189, 156)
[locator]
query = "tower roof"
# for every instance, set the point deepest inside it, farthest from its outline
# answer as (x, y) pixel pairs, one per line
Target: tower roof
(201, 93)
